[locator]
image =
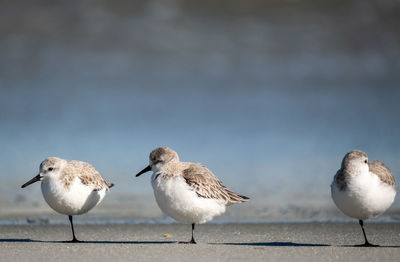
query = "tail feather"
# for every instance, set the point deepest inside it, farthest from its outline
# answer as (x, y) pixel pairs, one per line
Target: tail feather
(236, 198)
(110, 185)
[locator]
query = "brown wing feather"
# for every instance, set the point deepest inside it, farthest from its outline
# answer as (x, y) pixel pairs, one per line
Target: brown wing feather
(383, 172)
(206, 185)
(88, 175)
(341, 178)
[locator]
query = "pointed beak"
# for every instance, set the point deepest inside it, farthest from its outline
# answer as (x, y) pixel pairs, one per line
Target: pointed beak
(33, 180)
(147, 169)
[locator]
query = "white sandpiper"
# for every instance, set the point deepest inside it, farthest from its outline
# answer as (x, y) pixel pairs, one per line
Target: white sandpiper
(70, 187)
(363, 189)
(187, 192)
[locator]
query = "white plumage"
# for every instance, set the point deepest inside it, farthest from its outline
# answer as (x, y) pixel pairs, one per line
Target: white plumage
(76, 200)
(366, 196)
(187, 192)
(70, 187)
(176, 199)
(363, 189)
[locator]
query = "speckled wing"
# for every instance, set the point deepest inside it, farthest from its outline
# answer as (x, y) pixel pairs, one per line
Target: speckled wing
(383, 172)
(341, 179)
(88, 175)
(206, 185)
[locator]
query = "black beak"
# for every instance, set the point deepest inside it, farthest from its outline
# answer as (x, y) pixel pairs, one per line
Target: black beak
(33, 180)
(147, 169)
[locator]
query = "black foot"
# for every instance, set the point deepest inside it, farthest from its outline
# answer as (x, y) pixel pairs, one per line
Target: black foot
(187, 242)
(74, 241)
(367, 244)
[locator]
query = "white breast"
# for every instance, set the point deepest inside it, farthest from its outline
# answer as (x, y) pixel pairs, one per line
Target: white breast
(364, 197)
(75, 200)
(176, 199)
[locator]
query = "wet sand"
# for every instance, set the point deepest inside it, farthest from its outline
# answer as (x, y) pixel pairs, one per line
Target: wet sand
(225, 242)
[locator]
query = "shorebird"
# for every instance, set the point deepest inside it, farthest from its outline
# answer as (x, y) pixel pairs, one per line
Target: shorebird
(70, 187)
(363, 189)
(187, 192)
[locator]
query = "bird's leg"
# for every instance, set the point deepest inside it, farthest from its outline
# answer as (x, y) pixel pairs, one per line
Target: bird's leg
(366, 244)
(74, 240)
(192, 241)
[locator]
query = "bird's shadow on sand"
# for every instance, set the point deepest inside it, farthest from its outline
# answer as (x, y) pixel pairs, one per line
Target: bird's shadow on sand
(254, 244)
(258, 244)
(289, 244)
(28, 240)
(272, 244)
(16, 240)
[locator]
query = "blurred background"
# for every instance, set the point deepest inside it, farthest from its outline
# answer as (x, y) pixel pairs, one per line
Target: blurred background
(268, 94)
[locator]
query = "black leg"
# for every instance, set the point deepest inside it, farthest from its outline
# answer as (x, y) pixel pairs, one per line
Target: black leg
(192, 240)
(366, 244)
(74, 240)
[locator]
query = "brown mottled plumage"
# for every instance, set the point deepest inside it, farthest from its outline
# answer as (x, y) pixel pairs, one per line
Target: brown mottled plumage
(341, 178)
(187, 192)
(383, 172)
(206, 185)
(87, 174)
(362, 189)
(70, 187)
(163, 154)
(355, 154)
(376, 167)
(198, 177)
(72, 169)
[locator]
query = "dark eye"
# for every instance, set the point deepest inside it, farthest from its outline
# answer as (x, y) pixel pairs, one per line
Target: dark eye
(365, 161)
(50, 169)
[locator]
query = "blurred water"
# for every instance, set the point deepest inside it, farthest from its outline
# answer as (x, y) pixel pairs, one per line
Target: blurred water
(268, 95)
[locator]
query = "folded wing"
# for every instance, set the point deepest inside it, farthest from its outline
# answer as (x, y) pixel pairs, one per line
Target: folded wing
(383, 172)
(206, 185)
(87, 174)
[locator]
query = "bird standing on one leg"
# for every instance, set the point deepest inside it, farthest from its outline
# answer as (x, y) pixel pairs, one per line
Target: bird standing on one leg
(362, 189)
(187, 192)
(70, 187)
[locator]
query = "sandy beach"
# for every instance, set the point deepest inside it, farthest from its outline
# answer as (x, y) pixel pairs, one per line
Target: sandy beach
(218, 242)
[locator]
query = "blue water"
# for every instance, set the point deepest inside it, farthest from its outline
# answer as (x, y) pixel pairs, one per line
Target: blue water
(269, 105)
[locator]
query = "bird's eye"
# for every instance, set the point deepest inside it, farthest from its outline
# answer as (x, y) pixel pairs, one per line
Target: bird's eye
(365, 161)
(50, 169)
